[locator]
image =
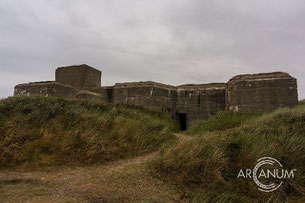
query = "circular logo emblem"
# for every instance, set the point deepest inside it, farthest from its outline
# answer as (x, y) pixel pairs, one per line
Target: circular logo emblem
(266, 161)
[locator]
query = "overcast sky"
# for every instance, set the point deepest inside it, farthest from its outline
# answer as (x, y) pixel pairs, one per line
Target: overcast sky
(168, 41)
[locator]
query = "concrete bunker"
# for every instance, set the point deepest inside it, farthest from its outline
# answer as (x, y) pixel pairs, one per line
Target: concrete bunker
(186, 104)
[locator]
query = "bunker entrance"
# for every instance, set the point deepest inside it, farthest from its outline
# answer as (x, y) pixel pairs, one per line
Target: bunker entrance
(181, 118)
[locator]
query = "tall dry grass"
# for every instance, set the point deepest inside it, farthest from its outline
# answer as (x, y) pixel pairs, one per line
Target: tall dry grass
(55, 131)
(206, 166)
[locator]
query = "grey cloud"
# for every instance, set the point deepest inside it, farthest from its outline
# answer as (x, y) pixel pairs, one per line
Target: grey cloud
(169, 41)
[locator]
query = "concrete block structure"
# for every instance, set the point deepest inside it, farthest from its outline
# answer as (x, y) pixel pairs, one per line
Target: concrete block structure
(48, 89)
(81, 77)
(185, 103)
(197, 102)
(261, 92)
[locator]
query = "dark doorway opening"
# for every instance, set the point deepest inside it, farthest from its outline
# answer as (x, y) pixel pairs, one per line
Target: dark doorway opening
(181, 117)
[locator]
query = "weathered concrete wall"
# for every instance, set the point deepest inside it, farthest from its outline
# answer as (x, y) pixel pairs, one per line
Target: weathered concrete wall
(81, 77)
(200, 101)
(261, 92)
(150, 95)
(196, 101)
(50, 88)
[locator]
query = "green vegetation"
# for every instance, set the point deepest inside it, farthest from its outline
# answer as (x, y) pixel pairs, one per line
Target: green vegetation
(223, 120)
(203, 167)
(38, 131)
(302, 102)
(206, 166)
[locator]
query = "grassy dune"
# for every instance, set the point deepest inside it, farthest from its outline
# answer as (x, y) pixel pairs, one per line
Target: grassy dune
(206, 166)
(108, 147)
(37, 131)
